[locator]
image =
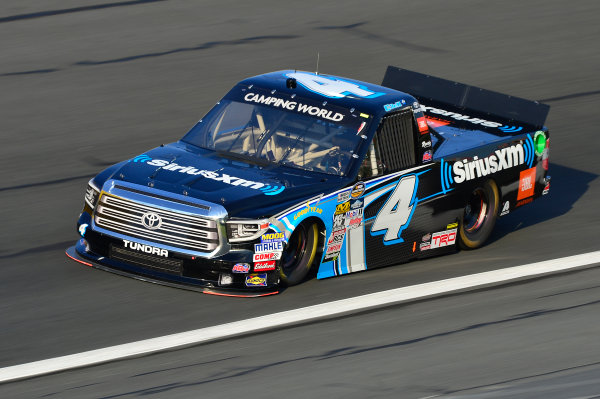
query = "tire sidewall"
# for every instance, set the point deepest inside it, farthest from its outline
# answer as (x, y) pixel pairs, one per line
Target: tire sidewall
(476, 239)
(299, 273)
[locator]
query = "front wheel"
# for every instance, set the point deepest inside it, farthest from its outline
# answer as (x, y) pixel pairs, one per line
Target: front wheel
(299, 253)
(479, 216)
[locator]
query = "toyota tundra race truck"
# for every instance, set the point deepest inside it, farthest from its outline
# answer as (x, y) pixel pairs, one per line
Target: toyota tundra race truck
(294, 171)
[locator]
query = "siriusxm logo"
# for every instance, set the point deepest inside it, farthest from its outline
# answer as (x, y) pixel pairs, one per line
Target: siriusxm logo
(222, 177)
(476, 121)
(501, 159)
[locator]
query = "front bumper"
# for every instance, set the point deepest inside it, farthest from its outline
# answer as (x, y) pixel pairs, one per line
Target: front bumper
(197, 274)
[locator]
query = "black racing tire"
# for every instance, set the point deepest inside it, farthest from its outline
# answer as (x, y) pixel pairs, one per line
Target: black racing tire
(299, 253)
(479, 216)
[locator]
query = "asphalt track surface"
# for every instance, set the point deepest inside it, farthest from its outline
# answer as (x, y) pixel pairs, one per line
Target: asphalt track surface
(84, 86)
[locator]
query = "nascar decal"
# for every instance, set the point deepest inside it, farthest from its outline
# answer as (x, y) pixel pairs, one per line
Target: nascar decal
(332, 87)
(222, 177)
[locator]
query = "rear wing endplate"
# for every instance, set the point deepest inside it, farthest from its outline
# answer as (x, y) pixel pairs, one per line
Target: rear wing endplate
(428, 89)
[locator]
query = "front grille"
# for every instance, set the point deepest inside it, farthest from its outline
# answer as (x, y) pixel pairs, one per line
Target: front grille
(161, 264)
(396, 141)
(174, 229)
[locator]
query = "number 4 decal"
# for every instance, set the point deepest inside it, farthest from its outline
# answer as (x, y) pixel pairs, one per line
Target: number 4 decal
(397, 211)
(332, 87)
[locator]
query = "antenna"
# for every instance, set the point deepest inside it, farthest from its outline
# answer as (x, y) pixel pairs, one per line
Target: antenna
(317, 72)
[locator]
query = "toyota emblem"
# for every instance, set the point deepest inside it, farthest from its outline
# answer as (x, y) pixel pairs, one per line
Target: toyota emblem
(151, 220)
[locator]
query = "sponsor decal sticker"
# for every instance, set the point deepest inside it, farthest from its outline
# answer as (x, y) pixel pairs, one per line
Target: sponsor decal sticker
(136, 246)
(82, 229)
(342, 208)
(443, 238)
(354, 213)
(354, 223)
(425, 246)
(502, 159)
(208, 174)
(331, 256)
(343, 196)
(524, 202)
(339, 221)
(397, 104)
(505, 208)
(264, 247)
(264, 266)
(266, 256)
(426, 237)
(364, 115)
(426, 144)
(461, 117)
(308, 209)
(427, 156)
(272, 237)
(356, 204)
(422, 123)
(294, 106)
(546, 188)
(241, 268)
(526, 183)
(256, 280)
(451, 226)
(335, 239)
(333, 248)
(357, 190)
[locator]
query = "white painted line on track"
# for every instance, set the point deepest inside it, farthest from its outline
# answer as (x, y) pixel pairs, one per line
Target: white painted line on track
(289, 317)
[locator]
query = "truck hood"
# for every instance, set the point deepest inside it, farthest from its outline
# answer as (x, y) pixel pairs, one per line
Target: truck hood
(244, 189)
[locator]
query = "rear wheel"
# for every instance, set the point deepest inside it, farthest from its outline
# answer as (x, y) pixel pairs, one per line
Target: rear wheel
(479, 216)
(299, 253)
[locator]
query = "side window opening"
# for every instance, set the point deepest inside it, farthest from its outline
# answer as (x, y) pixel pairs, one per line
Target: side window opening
(371, 165)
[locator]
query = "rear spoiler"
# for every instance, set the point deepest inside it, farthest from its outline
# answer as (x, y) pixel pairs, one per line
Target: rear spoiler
(429, 89)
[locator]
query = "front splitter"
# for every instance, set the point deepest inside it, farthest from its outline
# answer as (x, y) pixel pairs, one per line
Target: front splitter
(75, 253)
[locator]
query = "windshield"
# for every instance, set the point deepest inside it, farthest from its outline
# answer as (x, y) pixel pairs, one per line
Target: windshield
(278, 128)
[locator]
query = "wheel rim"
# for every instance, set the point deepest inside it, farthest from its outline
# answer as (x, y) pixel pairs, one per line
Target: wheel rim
(295, 251)
(475, 211)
